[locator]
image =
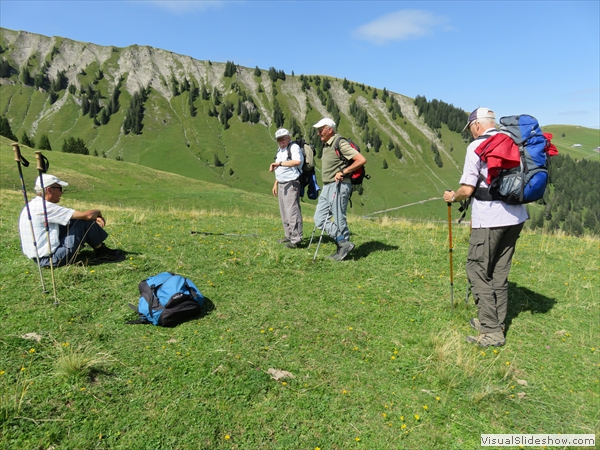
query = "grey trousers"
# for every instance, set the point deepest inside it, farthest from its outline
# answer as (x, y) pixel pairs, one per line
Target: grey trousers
(289, 208)
(333, 202)
(488, 263)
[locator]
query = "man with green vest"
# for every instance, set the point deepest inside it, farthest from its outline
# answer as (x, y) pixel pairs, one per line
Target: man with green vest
(337, 186)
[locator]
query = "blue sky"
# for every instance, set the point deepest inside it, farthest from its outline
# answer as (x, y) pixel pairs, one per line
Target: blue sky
(536, 57)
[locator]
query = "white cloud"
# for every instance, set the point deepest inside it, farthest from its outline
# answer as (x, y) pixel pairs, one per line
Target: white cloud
(400, 26)
(179, 7)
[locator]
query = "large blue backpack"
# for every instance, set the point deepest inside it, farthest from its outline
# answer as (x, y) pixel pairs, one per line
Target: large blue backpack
(168, 299)
(527, 182)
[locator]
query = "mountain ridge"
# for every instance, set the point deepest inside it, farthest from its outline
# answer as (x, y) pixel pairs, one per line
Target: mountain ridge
(193, 117)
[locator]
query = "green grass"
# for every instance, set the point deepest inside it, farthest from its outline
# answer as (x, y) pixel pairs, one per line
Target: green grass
(588, 138)
(371, 342)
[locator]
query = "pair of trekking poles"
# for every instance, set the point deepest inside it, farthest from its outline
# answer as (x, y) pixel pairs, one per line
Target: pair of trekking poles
(42, 166)
(329, 214)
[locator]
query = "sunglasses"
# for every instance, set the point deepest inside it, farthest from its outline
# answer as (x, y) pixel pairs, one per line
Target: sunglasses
(56, 187)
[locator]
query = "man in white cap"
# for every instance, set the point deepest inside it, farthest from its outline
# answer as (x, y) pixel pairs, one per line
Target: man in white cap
(69, 229)
(337, 188)
(287, 187)
(495, 228)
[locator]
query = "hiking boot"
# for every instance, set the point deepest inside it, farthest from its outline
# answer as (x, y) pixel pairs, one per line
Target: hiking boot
(108, 254)
(344, 247)
(291, 245)
(488, 339)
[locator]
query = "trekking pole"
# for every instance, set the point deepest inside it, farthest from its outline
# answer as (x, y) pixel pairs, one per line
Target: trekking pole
(20, 160)
(329, 214)
(42, 166)
(319, 243)
(450, 252)
(206, 233)
(312, 236)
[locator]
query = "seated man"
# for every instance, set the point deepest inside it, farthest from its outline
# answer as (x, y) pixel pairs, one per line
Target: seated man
(69, 229)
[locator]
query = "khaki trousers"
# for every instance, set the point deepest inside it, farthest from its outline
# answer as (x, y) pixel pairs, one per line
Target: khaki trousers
(488, 264)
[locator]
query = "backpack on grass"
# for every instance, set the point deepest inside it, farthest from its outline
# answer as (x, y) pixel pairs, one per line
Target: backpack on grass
(167, 299)
(517, 167)
(308, 178)
(359, 174)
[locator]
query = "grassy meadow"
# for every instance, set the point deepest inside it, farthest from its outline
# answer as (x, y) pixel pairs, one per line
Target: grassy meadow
(376, 356)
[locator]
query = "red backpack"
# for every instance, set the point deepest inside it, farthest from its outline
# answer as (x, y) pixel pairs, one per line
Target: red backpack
(359, 174)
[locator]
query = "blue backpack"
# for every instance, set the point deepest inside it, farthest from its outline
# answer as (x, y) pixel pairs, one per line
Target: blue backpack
(527, 182)
(168, 299)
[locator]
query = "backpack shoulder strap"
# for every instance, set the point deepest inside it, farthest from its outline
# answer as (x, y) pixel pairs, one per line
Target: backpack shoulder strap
(464, 205)
(336, 148)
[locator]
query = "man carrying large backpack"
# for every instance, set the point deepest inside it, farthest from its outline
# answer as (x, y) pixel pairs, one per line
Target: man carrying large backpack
(495, 228)
(337, 188)
(288, 168)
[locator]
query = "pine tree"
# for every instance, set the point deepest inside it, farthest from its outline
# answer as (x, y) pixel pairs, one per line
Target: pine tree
(103, 117)
(230, 69)
(135, 113)
(5, 129)
(5, 68)
(25, 140)
(216, 96)
(398, 152)
(384, 164)
(204, 95)
(52, 97)
(257, 72)
(278, 116)
(44, 143)
(75, 145)
(85, 105)
(26, 76)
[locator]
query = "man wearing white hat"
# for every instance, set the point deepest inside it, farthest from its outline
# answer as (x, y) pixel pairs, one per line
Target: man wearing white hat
(337, 188)
(68, 229)
(287, 187)
(495, 228)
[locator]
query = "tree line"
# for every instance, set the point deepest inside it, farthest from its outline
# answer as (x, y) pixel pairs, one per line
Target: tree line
(572, 202)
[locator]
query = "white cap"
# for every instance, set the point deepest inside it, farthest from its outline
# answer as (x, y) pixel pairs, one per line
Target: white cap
(48, 181)
(324, 122)
(282, 132)
(479, 113)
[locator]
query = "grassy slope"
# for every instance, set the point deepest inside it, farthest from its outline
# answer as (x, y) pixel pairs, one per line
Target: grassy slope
(372, 342)
(587, 137)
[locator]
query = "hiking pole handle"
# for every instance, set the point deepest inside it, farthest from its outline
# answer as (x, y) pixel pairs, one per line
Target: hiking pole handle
(449, 203)
(42, 162)
(17, 152)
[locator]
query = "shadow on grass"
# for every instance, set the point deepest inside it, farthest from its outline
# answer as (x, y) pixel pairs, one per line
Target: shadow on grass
(88, 258)
(521, 299)
(364, 250)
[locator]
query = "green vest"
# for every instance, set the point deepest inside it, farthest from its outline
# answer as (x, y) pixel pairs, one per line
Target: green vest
(332, 163)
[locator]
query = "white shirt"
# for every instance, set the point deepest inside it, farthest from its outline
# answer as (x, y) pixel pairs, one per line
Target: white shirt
(284, 174)
(488, 214)
(57, 215)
